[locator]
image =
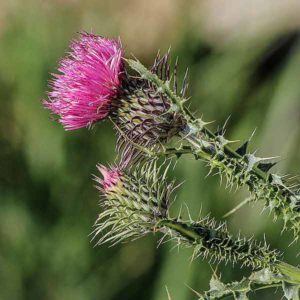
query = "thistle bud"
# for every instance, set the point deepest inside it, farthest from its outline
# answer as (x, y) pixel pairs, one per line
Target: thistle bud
(146, 116)
(132, 204)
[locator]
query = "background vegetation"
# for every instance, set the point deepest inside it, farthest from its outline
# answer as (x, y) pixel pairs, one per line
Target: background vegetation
(244, 61)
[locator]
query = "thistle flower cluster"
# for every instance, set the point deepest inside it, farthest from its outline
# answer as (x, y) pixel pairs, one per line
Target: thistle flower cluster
(148, 111)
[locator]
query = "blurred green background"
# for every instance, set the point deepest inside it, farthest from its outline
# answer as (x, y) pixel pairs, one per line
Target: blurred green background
(244, 62)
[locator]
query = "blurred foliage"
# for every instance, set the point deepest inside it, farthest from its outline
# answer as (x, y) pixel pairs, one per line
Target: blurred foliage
(244, 62)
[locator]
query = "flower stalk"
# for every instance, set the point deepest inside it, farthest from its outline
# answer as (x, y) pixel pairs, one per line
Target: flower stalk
(216, 242)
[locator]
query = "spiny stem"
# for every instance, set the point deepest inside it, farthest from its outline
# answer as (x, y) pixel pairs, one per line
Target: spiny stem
(197, 143)
(215, 150)
(258, 257)
(237, 171)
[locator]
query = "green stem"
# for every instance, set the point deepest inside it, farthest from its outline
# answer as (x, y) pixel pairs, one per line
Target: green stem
(199, 146)
(284, 201)
(199, 234)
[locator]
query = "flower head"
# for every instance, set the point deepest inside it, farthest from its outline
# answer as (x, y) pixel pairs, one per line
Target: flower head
(89, 80)
(133, 202)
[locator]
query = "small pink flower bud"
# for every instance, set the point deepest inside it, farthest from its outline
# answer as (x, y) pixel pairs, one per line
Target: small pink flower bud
(111, 177)
(132, 202)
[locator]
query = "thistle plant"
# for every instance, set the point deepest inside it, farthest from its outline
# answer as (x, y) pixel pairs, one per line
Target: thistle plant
(148, 110)
(93, 85)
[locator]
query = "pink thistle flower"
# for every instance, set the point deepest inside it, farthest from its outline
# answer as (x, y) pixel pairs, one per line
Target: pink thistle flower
(111, 177)
(89, 81)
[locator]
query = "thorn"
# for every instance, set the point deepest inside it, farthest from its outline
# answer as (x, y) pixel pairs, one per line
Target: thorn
(239, 206)
(266, 167)
(219, 132)
(175, 88)
(242, 150)
(226, 122)
(194, 291)
(252, 135)
(168, 294)
(184, 100)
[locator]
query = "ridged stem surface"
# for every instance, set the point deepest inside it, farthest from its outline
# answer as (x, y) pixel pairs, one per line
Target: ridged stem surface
(216, 241)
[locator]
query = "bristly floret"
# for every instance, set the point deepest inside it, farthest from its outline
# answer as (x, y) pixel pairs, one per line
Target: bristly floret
(90, 78)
